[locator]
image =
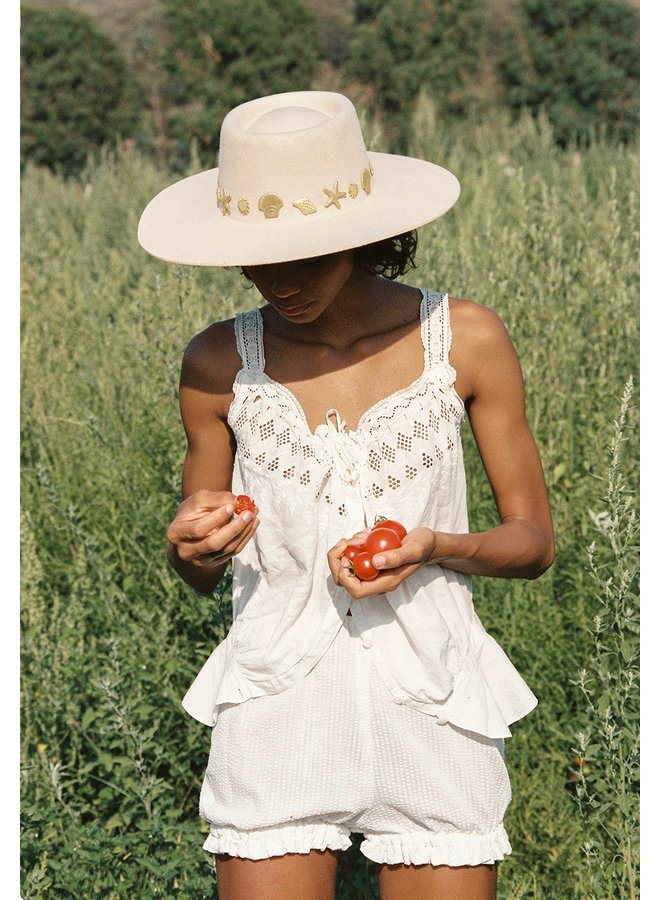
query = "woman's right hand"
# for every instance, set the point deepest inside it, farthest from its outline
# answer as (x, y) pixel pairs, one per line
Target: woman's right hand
(205, 532)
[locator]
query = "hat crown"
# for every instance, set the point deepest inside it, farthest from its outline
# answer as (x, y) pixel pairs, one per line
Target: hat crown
(305, 148)
(288, 118)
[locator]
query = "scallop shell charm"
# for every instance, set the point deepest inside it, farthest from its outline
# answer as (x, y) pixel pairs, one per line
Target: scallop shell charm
(270, 205)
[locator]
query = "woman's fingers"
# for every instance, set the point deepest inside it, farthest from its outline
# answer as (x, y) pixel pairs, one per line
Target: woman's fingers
(335, 559)
(206, 531)
(196, 525)
(226, 540)
(394, 565)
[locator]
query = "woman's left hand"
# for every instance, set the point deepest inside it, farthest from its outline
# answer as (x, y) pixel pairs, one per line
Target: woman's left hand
(394, 565)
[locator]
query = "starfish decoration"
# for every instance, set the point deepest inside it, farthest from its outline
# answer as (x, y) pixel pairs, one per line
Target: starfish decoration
(224, 199)
(334, 195)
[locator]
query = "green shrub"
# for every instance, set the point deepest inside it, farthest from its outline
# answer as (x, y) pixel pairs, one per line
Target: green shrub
(404, 47)
(76, 94)
(578, 61)
(224, 53)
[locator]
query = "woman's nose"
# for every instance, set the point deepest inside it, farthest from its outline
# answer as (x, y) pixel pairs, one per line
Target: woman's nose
(284, 283)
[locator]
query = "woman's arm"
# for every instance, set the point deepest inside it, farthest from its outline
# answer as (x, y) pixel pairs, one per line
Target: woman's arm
(205, 534)
(490, 382)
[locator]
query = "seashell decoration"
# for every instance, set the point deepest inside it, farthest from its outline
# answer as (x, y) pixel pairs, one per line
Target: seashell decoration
(270, 205)
(366, 180)
(305, 206)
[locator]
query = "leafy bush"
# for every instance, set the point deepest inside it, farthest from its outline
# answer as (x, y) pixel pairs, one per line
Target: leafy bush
(76, 94)
(579, 62)
(402, 48)
(224, 53)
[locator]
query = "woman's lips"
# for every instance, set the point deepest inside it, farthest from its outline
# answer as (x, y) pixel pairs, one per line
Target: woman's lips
(293, 310)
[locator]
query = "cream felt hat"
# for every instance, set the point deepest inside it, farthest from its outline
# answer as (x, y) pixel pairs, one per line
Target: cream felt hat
(294, 180)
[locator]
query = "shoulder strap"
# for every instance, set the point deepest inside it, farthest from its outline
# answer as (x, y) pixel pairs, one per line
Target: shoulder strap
(248, 327)
(436, 330)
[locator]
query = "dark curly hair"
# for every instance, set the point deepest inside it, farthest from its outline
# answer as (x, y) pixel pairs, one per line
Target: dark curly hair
(391, 258)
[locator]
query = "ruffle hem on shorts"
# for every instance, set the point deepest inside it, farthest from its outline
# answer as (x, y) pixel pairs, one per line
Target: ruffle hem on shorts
(437, 849)
(278, 840)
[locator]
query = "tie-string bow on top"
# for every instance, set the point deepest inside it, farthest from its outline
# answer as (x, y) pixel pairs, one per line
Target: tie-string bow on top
(343, 445)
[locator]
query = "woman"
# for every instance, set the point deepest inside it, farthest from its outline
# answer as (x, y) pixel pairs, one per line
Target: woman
(343, 705)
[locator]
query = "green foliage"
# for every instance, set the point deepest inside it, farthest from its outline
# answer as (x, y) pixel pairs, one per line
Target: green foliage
(111, 639)
(334, 24)
(226, 52)
(76, 94)
(185, 63)
(403, 48)
(579, 62)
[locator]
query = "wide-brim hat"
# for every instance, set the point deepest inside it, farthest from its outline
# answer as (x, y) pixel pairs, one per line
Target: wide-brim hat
(294, 180)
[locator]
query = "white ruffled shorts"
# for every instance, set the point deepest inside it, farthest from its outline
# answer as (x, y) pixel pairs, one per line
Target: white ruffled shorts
(332, 755)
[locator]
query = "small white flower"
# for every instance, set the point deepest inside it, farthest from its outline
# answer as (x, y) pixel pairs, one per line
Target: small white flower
(603, 522)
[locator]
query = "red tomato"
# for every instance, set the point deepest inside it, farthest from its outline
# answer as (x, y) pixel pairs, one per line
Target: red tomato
(352, 551)
(363, 567)
(392, 524)
(381, 539)
(243, 503)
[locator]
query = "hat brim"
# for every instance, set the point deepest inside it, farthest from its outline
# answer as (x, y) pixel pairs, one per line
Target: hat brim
(182, 224)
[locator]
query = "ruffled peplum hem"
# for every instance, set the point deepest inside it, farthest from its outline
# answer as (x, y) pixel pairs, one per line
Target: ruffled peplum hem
(218, 681)
(224, 679)
(437, 849)
(262, 843)
(493, 695)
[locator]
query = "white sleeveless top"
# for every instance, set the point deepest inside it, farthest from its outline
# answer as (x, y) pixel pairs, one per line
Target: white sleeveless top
(404, 461)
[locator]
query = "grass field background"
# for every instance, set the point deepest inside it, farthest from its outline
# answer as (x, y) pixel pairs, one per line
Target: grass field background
(111, 764)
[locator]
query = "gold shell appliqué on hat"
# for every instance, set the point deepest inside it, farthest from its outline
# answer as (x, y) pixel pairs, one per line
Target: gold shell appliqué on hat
(352, 190)
(270, 205)
(243, 206)
(223, 198)
(334, 195)
(305, 206)
(366, 180)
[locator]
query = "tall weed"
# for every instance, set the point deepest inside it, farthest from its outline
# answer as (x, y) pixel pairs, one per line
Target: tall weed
(607, 748)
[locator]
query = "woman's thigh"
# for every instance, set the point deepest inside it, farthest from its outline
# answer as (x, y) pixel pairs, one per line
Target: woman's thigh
(403, 882)
(301, 875)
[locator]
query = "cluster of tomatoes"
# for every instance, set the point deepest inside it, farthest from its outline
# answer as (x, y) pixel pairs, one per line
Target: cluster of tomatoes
(387, 534)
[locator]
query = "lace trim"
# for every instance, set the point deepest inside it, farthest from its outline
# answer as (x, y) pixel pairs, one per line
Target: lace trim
(248, 328)
(436, 330)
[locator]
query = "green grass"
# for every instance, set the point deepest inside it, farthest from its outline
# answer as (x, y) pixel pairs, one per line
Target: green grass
(111, 765)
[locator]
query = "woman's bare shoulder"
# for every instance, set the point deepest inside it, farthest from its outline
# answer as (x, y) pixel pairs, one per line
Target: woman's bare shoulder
(472, 322)
(211, 359)
(480, 342)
